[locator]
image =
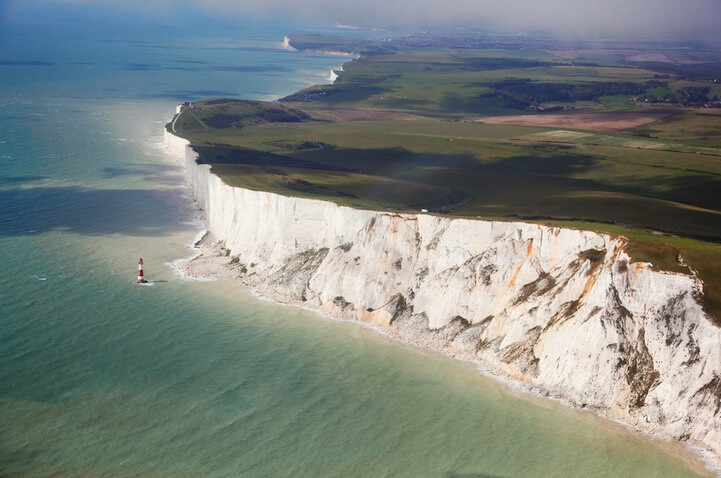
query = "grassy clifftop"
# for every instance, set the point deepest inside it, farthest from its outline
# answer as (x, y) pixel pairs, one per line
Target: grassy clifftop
(498, 134)
(228, 113)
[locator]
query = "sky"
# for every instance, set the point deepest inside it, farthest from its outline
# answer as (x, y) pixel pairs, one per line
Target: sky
(568, 19)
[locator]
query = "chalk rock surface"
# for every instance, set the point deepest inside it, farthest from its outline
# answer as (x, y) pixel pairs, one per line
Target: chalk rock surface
(565, 312)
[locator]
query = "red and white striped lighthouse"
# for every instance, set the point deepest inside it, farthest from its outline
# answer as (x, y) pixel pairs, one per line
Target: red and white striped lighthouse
(141, 279)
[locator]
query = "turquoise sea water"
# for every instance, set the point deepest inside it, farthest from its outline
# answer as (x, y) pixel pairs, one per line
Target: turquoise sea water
(102, 377)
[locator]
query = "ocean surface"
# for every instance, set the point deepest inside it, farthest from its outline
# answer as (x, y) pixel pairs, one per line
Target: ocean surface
(102, 377)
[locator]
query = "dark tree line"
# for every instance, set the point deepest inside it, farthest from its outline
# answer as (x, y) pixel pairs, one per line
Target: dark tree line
(523, 94)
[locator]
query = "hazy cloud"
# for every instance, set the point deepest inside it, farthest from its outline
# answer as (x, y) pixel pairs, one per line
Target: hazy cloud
(643, 19)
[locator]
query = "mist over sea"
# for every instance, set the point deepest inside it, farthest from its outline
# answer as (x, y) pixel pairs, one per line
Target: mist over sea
(102, 377)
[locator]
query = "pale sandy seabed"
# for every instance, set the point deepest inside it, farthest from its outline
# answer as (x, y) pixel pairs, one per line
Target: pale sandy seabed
(211, 261)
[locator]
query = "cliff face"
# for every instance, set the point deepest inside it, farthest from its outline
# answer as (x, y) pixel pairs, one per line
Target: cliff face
(564, 311)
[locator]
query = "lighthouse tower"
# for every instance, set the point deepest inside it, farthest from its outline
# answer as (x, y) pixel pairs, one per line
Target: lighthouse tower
(141, 279)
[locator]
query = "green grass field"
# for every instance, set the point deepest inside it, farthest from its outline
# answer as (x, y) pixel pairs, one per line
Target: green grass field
(659, 183)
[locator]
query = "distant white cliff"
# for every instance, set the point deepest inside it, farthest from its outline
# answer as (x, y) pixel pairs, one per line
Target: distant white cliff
(286, 43)
(563, 311)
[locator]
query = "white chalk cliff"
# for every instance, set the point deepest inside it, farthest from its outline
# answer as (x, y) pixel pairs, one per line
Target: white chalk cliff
(286, 44)
(563, 311)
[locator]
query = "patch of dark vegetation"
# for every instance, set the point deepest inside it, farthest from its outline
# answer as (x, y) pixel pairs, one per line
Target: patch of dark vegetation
(615, 314)
(689, 96)
(306, 95)
(308, 187)
(640, 374)
(224, 101)
(485, 64)
(346, 246)
(342, 303)
(234, 155)
(694, 71)
(520, 354)
(566, 311)
(224, 121)
(240, 267)
(290, 145)
(538, 287)
(711, 393)
(522, 94)
(454, 330)
(594, 311)
(276, 172)
(301, 185)
(477, 104)
(594, 256)
(401, 307)
(350, 91)
(469, 335)
(460, 321)
(697, 189)
(228, 113)
(367, 79)
(344, 194)
(550, 160)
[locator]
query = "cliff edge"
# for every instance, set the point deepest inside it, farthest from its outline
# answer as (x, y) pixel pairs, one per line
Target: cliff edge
(566, 312)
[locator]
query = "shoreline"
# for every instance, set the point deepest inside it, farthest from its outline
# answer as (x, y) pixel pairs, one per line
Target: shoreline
(700, 460)
(288, 45)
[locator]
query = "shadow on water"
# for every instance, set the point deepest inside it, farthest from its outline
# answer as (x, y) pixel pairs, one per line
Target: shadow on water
(156, 67)
(20, 179)
(25, 63)
(189, 95)
(211, 68)
(86, 211)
